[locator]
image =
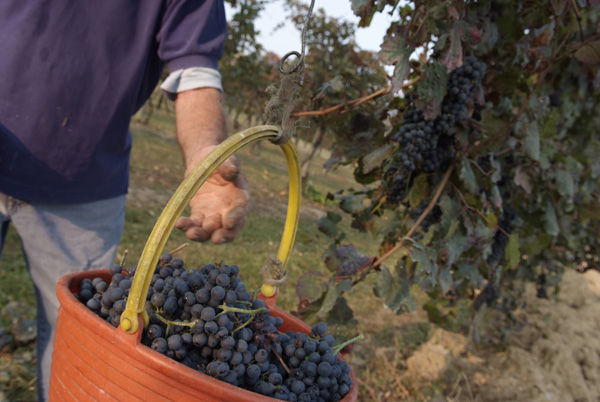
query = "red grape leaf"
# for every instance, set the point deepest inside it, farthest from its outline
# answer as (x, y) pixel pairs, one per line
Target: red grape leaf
(395, 51)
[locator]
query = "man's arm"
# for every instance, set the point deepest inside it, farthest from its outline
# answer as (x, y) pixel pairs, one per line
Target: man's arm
(219, 207)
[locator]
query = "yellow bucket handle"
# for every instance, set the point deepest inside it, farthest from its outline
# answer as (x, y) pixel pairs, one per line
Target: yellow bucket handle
(136, 302)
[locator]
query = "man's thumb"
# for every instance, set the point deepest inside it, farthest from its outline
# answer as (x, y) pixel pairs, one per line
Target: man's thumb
(230, 169)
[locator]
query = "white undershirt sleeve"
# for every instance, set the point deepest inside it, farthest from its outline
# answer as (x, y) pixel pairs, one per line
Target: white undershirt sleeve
(191, 78)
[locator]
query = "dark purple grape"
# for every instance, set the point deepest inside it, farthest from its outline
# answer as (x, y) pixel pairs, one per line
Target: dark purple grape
(175, 342)
(94, 304)
(253, 371)
(170, 305)
(324, 369)
(319, 329)
(203, 295)
(115, 269)
(222, 280)
(158, 300)
(208, 314)
(154, 331)
(160, 345)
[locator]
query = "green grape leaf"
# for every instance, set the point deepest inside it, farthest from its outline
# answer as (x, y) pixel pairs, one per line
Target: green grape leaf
(428, 237)
(457, 245)
(311, 286)
(551, 220)
(490, 123)
(364, 10)
(340, 321)
(470, 272)
(496, 197)
(396, 51)
(376, 158)
(564, 183)
(431, 90)
(512, 252)
(531, 141)
(454, 225)
(450, 211)
(327, 226)
(344, 286)
(393, 288)
(331, 259)
(418, 190)
(468, 177)
(351, 203)
(589, 53)
(329, 300)
(332, 86)
(497, 169)
(357, 5)
(523, 179)
(335, 218)
(445, 279)
(427, 269)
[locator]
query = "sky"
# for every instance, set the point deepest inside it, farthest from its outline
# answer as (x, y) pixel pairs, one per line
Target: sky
(287, 38)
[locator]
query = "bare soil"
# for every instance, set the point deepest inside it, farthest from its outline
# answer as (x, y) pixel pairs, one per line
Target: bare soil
(556, 357)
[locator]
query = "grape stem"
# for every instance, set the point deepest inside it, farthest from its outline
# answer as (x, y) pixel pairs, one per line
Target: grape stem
(341, 346)
(184, 245)
(122, 262)
(169, 323)
(281, 360)
(228, 309)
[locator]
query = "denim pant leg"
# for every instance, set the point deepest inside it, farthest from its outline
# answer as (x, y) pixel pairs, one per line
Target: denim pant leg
(58, 240)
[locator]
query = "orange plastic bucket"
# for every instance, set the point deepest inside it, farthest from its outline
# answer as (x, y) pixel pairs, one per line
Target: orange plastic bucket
(94, 361)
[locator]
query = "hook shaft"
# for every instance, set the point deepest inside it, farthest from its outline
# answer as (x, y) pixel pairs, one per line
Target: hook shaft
(300, 56)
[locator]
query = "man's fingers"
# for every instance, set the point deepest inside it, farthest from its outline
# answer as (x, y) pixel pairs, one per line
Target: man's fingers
(185, 223)
(197, 234)
(234, 217)
(224, 235)
(212, 223)
(204, 231)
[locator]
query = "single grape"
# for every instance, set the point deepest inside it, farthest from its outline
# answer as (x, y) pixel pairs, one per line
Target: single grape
(208, 314)
(253, 371)
(160, 345)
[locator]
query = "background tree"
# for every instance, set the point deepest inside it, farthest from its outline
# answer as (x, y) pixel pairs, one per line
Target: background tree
(246, 68)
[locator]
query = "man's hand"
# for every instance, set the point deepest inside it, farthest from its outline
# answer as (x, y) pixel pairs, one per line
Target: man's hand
(219, 207)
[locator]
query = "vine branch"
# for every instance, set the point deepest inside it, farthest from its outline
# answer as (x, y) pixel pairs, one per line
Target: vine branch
(352, 103)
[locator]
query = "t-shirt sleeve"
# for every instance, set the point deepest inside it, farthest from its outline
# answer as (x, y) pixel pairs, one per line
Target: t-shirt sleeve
(192, 34)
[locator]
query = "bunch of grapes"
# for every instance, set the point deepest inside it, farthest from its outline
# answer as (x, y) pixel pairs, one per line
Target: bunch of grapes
(426, 146)
(207, 320)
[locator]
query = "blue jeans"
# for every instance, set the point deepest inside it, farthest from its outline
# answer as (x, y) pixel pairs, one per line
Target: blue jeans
(58, 240)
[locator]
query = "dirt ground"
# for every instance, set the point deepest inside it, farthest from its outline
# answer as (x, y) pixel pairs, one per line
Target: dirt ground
(556, 357)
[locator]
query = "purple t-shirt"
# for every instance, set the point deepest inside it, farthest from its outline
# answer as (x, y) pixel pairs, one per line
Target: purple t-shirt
(72, 73)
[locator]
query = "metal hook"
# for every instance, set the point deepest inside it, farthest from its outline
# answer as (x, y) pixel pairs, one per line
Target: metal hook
(300, 57)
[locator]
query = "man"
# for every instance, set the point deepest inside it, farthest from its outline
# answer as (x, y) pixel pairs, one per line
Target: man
(71, 76)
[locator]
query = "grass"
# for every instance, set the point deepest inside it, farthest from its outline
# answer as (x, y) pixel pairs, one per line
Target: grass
(15, 284)
(156, 171)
